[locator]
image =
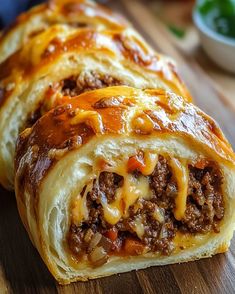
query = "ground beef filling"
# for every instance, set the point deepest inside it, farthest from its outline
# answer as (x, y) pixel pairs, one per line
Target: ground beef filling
(205, 206)
(96, 239)
(74, 86)
(88, 81)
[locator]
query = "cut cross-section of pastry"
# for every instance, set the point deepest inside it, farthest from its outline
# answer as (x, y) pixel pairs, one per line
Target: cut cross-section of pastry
(75, 13)
(120, 179)
(65, 61)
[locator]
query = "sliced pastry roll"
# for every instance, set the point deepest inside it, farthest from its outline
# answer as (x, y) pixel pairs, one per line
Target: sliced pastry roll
(76, 13)
(120, 179)
(65, 61)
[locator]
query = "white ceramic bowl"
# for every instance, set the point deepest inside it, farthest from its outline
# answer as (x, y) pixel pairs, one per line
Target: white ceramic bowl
(219, 48)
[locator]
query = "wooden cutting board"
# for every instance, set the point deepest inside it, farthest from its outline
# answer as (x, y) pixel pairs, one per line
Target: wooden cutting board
(21, 268)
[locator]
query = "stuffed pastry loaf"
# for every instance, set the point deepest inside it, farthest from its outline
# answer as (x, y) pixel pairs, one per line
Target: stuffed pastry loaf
(118, 179)
(69, 61)
(76, 13)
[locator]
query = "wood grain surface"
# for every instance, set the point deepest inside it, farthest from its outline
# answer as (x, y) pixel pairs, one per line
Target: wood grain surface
(21, 268)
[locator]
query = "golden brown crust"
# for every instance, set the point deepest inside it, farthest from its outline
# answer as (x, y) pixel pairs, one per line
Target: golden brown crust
(105, 111)
(122, 44)
(62, 53)
(77, 13)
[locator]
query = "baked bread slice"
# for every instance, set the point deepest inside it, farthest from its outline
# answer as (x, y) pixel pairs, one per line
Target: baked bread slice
(119, 178)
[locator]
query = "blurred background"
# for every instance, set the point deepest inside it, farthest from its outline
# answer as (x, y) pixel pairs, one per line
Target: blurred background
(11, 8)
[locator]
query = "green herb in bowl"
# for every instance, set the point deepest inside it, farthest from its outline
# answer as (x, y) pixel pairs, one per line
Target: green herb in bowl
(219, 15)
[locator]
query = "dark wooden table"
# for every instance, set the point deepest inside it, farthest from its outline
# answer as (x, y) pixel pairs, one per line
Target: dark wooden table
(21, 268)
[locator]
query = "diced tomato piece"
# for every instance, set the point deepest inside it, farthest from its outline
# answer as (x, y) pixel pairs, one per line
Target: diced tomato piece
(51, 90)
(134, 163)
(102, 164)
(133, 247)
(201, 164)
(112, 234)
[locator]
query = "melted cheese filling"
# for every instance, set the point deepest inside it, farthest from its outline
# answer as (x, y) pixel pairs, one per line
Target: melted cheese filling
(126, 196)
(133, 189)
(79, 208)
(181, 174)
